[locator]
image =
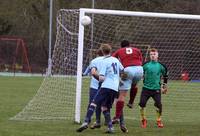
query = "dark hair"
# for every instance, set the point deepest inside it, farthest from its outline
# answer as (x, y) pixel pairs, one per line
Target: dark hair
(125, 43)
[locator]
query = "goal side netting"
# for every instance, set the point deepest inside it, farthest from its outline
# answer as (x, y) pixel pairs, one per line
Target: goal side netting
(64, 94)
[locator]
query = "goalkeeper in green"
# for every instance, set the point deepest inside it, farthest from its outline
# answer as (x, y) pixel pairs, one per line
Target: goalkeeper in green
(153, 71)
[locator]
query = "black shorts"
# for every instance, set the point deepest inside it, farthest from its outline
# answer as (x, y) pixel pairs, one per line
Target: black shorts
(147, 93)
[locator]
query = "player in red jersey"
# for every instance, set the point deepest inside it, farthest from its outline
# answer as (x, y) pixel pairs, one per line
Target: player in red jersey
(131, 59)
(129, 56)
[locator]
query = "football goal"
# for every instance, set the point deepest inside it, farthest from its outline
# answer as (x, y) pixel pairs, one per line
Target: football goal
(64, 94)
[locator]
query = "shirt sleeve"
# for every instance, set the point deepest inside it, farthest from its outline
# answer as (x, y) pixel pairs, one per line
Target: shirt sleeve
(164, 72)
(92, 64)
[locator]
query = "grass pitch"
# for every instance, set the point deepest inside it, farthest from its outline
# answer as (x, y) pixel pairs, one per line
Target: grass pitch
(181, 112)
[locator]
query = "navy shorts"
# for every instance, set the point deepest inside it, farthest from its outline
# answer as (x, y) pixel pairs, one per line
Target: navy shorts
(93, 93)
(105, 97)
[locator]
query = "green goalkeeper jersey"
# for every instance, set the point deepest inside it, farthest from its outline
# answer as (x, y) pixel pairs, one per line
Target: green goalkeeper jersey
(153, 71)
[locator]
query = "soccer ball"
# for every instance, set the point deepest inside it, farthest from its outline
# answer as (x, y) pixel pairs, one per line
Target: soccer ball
(85, 20)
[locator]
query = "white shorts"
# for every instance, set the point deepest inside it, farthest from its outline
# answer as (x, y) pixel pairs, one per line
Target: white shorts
(135, 74)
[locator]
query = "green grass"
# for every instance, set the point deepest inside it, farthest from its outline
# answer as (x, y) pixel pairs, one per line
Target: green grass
(181, 113)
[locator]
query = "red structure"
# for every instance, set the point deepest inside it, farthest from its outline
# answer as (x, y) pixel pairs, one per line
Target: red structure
(20, 52)
(185, 76)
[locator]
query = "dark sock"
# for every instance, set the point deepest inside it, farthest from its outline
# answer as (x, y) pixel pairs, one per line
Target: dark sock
(133, 93)
(89, 114)
(107, 118)
(98, 114)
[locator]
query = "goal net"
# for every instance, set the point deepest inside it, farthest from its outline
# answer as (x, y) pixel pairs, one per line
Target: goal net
(64, 94)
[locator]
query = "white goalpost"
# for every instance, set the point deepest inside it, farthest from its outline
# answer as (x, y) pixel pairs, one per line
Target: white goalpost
(64, 95)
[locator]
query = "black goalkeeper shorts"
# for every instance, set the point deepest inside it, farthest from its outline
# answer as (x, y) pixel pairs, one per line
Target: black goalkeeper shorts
(146, 94)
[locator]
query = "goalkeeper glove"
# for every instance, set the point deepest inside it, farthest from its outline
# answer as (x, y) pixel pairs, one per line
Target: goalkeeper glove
(164, 88)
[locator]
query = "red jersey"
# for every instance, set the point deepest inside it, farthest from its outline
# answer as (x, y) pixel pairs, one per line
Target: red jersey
(129, 56)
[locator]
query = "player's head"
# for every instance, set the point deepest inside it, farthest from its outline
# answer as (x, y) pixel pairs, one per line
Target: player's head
(154, 54)
(125, 43)
(99, 52)
(106, 49)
